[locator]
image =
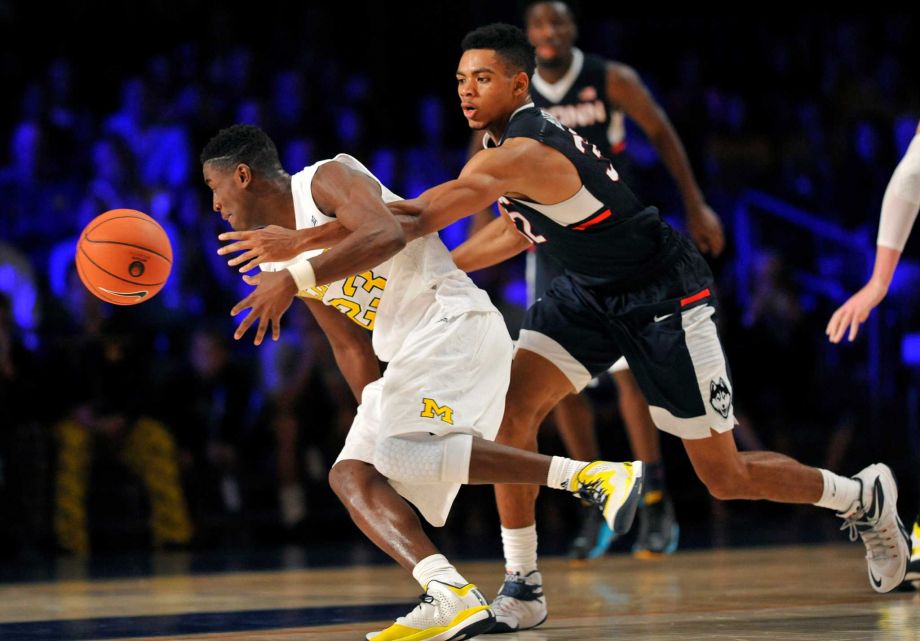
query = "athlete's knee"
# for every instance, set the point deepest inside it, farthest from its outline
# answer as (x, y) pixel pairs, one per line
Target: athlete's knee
(350, 477)
(726, 480)
(519, 428)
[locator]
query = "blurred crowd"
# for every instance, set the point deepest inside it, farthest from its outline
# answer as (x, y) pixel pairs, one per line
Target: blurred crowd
(150, 426)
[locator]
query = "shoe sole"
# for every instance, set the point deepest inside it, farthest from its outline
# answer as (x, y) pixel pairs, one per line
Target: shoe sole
(479, 623)
(504, 628)
(890, 487)
(625, 516)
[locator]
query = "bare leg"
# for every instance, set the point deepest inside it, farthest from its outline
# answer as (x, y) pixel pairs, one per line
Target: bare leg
(536, 387)
(730, 474)
(496, 463)
(380, 512)
(575, 420)
(643, 435)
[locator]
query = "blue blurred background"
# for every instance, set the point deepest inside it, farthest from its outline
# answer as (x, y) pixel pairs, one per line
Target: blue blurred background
(124, 430)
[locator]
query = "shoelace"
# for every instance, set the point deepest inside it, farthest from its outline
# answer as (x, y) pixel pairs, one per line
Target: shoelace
(424, 599)
(505, 605)
(593, 492)
(878, 542)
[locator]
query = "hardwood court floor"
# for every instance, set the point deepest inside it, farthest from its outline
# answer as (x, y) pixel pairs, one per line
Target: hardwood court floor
(784, 593)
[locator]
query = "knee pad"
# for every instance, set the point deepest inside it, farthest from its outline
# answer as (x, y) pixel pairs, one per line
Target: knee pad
(433, 459)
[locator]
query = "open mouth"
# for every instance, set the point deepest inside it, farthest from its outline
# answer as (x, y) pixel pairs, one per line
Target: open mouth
(469, 111)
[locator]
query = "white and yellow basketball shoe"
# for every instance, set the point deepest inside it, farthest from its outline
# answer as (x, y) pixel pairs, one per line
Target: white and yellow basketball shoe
(444, 613)
(615, 488)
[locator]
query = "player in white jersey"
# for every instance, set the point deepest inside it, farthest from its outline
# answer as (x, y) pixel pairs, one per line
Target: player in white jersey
(428, 424)
(899, 212)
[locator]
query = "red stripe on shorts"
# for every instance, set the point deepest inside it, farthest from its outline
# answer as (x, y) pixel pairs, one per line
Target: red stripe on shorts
(604, 215)
(698, 296)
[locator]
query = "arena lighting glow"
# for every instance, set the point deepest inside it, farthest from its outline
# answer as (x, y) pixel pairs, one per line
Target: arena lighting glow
(910, 349)
(18, 283)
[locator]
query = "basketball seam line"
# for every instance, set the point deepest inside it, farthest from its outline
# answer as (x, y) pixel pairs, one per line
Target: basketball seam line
(118, 242)
(83, 251)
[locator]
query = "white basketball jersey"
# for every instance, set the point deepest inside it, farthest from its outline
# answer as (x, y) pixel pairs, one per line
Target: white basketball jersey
(392, 297)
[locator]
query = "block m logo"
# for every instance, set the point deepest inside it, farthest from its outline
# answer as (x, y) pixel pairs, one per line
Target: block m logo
(430, 409)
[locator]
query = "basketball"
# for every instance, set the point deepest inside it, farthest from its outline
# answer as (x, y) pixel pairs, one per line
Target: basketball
(124, 257)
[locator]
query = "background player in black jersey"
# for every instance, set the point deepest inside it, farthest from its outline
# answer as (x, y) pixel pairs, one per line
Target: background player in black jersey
(632, 286)
(591, 95)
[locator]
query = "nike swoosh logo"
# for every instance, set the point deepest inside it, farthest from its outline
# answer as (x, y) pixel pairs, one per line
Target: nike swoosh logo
(658, 319)
(876, 582)
(878, 500)
(141, 294)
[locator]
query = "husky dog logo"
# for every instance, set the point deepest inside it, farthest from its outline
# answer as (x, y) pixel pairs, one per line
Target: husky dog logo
(720, 397)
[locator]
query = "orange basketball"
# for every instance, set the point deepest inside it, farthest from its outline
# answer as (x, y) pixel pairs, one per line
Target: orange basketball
(124, 257)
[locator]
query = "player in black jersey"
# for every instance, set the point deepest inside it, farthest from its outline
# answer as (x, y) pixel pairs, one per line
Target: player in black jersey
(632, 287)
(592, 95)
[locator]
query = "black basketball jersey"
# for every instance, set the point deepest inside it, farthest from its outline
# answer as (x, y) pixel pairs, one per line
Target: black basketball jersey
(579, 100)
(602, 235)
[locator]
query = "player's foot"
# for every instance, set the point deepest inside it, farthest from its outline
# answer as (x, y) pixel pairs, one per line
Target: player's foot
(594, 536)
(874, 518)
(445, 612)
(615, 488)
(520, 604)
(658, 529)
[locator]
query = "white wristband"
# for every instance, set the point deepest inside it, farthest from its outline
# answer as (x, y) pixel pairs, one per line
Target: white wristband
(303, 275)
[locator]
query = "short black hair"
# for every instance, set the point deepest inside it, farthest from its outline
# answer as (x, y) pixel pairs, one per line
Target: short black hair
(243, 144)
(571, 7)
(508, 41)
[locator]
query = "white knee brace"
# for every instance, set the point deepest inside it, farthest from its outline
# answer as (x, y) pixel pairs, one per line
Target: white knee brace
(431, 459)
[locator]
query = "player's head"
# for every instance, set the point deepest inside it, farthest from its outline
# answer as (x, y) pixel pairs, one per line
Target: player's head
(493, 77)
(551, 29)
(237, 163)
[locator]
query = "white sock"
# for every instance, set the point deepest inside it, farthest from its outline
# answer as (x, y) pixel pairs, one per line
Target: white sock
(520, 545)
(561, 471)
(840, 493)
(437, 567)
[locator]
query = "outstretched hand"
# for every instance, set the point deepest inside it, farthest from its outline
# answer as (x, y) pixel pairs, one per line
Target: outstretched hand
(272, 296)
(705, 229)
(265, 245)
(854, 312)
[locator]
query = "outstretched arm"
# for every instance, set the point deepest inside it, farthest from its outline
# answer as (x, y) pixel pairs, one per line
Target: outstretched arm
(488, 175)
(495, 243)
(482, 181)
(899, 211)
(627, 89)
(274, 244)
